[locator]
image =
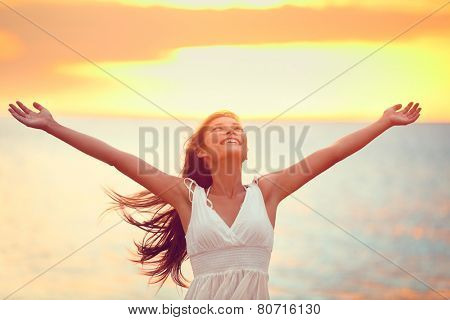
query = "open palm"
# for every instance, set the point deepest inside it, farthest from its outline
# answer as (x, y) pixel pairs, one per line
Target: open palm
(407, 115)
(37, 120)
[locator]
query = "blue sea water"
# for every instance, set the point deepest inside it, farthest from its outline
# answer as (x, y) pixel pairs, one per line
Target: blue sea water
(374, 226)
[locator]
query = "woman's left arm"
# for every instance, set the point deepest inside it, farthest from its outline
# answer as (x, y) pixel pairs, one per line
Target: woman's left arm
(278, 185)
(391, 117)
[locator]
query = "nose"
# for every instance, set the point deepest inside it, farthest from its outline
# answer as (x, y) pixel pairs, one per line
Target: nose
(230, 129)
(231, 133)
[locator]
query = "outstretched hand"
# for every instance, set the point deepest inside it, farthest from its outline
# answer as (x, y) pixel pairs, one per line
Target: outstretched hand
(407, 115)
(37, 120)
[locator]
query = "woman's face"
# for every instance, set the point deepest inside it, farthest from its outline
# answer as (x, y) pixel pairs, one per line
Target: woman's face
(225, 138)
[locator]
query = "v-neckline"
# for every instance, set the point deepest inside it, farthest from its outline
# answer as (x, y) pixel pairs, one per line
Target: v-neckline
(239, 211)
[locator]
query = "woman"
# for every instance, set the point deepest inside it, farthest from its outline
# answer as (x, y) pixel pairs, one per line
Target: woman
(224, 227)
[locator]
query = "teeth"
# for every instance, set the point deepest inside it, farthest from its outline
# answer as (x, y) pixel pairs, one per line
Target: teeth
(231, 141)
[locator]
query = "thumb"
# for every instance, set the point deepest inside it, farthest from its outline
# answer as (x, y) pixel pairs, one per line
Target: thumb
(397, 106)
(38, 106)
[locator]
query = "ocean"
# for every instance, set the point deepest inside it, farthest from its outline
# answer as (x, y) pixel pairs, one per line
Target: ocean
(374, 226)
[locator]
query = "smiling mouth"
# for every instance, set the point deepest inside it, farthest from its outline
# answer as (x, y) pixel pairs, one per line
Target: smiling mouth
(231, 141)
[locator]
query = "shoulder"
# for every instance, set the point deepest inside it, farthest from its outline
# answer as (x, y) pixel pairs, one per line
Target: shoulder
(266, 185)
(191, 186)
(190, 183)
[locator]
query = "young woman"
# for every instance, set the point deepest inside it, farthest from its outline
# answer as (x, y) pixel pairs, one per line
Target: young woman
(224, 227)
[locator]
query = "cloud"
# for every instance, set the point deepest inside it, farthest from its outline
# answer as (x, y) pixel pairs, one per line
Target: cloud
(108, 34)
(119, 32)
(405, 5)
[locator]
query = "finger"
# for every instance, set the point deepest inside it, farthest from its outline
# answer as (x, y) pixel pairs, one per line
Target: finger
(38, 106)
(14, 113)
(22, 106)
(397, 106)
(414, 114)
(407, 107)
(416, 117)
(19, 118)
(17, 110)
(413, 109)
(417, 110)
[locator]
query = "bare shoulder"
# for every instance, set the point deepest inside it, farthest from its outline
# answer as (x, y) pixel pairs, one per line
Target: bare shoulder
(184, 203)
(266, 185)
(184, 189)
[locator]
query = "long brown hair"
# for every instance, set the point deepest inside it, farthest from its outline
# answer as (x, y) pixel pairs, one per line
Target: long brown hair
(164, 245)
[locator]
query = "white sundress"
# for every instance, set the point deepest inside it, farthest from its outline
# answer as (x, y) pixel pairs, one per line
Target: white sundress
(229, 262)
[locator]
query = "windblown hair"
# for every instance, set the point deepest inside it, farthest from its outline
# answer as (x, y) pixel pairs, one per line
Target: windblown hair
(163, 247)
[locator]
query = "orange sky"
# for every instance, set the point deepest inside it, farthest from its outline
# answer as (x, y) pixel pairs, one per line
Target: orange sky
(256, 60)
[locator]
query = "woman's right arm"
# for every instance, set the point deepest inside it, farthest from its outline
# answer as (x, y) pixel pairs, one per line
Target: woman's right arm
(169, 188)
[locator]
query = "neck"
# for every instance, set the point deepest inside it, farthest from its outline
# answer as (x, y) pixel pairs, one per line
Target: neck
(227, 179)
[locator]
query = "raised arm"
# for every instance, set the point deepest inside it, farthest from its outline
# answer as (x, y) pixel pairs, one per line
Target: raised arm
(278, 185)
(169, 188)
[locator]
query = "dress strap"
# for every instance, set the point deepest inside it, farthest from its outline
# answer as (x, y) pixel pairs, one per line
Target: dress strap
(256, 179)
(188, 182)
(207, 200)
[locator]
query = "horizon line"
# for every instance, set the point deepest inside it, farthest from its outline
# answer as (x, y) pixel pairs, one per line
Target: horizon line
(242, 118)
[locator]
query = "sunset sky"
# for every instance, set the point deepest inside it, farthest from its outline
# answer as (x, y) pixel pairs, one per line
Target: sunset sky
(257, 58)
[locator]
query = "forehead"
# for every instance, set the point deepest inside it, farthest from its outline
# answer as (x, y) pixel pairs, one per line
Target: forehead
(224, 121)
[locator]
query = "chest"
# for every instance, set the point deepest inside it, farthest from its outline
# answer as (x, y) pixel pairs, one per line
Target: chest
(228, 209)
